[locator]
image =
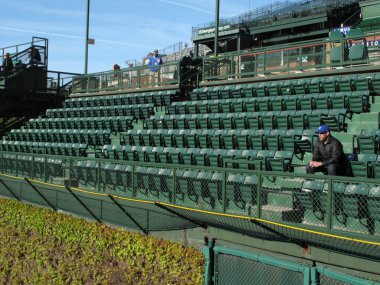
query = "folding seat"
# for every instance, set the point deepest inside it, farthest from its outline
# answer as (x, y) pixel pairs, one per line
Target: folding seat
(214, 94)
(192, 137)
(194, 95)
(181, 139)
(263, 104)
(315, 85)
(224, 107)
(306, 142)
(254, 120)
(339, 100)
(243, 139)
(237, 92)
(193, 122)
(301, 86)
(249, 91)
(229, 140)
(241, 121)
(336, 119)
(192, 107)
(226, 92)
(182, 121)
(261, 158)
(103, 136)
(241, 190)
(368, 141)
(204, 108)
(235, 155)
(156, 137)
(172, 110)
(282, 120)
(330, 84)
(258, 139)
(277, 103)
(290, 103)
(167, 138)
(345, 83)
(251, 105)
(286, 88)
(288, 139)
(281, 161)
(228, 121)
(273, 89)
(314, 119)
(173, 154)
(322, 101)
(181, 108)
(358, 101)
(273, 139)
(107, 152)
(187, 156)
(204, 120)
(146, 137)
(203, 95)
(216, 121)
(354, 203)
(362, 82)
(124, 123)
(131, 152)
(203, 138)
(363, 166)
(216, 139)
(298, 120)
(238, 106)
(221, 155)
(269, 121)
(305, 102)
(261, 90)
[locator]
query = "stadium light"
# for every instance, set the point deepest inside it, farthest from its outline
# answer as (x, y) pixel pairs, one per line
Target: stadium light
(87, 32)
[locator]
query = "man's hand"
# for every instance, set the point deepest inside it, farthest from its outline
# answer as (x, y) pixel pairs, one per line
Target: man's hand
(315, 163)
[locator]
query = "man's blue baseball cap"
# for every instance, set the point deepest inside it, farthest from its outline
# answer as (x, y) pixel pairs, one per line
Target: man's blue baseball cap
(323, 129)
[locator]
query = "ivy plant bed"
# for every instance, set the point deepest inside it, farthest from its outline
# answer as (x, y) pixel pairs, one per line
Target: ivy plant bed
(39, 246)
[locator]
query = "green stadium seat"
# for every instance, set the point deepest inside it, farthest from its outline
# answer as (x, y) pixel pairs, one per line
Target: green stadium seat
(363, 166)
(373, 206)
(281, 161)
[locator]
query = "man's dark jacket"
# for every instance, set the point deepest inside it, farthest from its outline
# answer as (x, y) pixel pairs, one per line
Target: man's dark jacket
(329, 153)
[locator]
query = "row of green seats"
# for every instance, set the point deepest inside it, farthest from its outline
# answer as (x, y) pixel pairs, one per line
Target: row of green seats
(113, 123)
(305, 119)
(90, 137)
(329, 84)
(137, 111)
(245, 159)
(158, 98)
(220, 139)
(357, 101)
(53, 148)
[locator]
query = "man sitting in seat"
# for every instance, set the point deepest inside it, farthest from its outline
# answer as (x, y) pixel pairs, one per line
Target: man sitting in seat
(328, 155)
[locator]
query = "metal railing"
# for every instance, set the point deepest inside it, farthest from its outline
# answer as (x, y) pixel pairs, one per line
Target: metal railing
(302, 57)
(128, 78)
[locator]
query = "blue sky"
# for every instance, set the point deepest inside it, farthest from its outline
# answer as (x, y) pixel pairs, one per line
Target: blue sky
(123, 29)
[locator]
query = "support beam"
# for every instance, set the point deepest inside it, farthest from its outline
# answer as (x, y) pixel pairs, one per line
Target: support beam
(83, 205)
(40, 194)
(9, 190)
(128, 215)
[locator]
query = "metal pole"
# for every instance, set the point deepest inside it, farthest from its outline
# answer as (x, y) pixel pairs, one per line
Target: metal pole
(87, 32)
(216, 28)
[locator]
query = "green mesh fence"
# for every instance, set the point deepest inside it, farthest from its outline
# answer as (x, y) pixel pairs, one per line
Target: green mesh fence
(341, 214)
